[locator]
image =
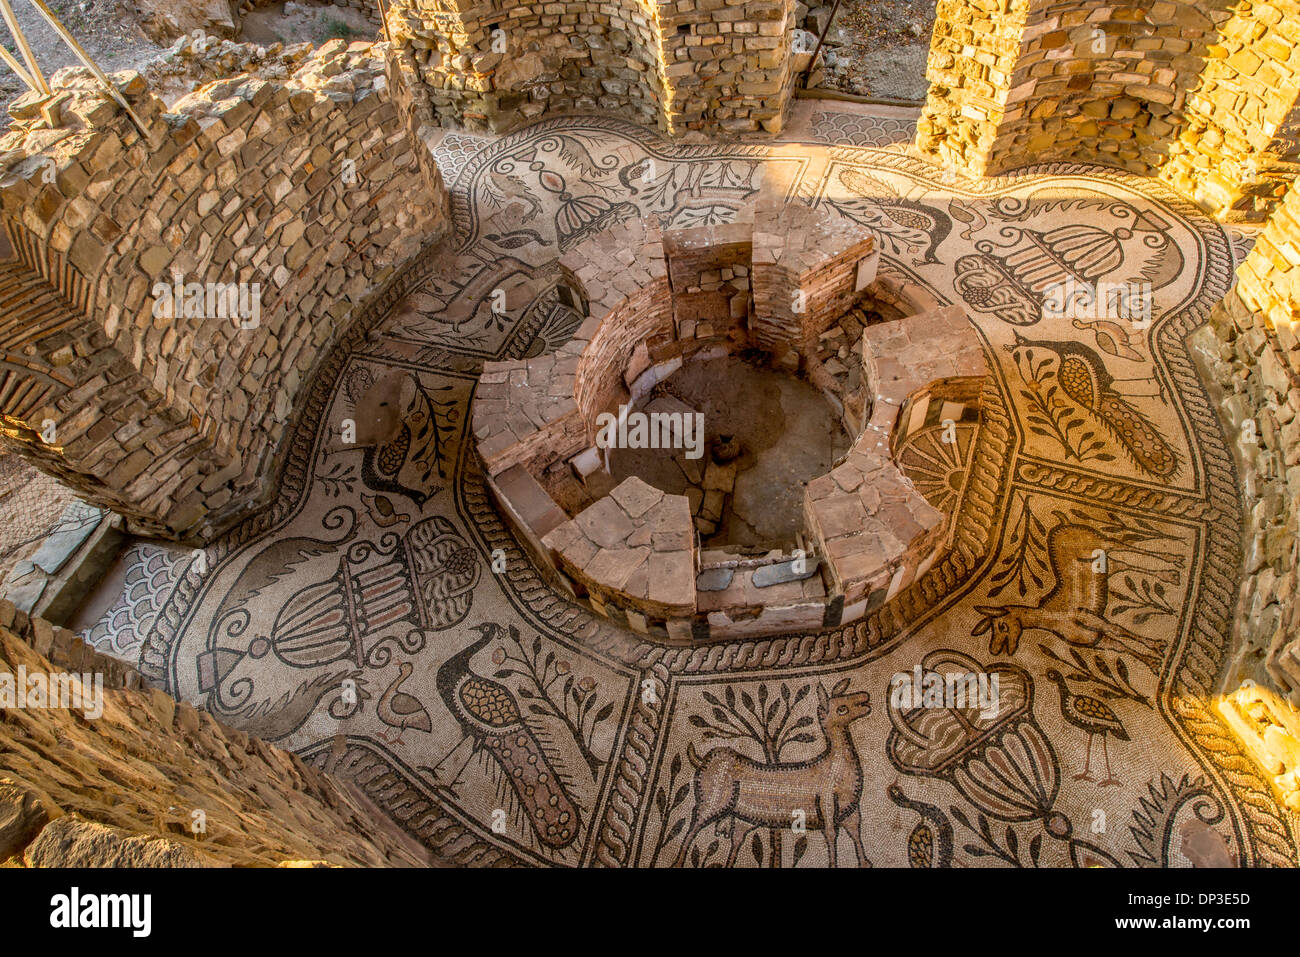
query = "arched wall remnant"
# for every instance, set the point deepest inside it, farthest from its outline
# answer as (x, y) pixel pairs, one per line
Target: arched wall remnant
(277, 208)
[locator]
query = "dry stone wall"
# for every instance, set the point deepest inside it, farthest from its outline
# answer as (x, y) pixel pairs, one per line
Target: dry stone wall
(282, 205)
(1204, 94)
(1256, 360)
(708, 65)
(120, 788)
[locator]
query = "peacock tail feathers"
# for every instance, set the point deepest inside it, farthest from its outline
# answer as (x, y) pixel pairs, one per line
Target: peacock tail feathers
(1138, 436)
(540, 791)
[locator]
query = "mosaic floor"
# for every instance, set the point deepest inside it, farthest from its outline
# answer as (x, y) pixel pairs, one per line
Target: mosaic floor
(380, 620)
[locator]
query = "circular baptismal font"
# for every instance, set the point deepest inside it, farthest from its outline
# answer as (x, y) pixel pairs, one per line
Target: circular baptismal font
(766, 434)
(711, 455)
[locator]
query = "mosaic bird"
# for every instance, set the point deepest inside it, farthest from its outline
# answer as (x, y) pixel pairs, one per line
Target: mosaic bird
(907, 213)
(400, 710)
(1111, 338)
(1093, 716)
(381, 510)
(398, 426)
(490, 715)
(1083, 377)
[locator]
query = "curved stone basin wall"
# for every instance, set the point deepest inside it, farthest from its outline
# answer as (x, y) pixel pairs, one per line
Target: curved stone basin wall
(655, 301)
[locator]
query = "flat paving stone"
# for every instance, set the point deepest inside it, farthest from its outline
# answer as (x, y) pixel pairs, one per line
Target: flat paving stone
(714, 579)
(783, 572)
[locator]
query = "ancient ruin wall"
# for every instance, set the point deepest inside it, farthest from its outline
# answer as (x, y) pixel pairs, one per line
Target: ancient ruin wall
(313, 188)
(710, 65)
(1255, 358)
(1204, 94)
(1237, 150)
(1259, 366)
(1032, 80)
(486, 68)
(120, 789)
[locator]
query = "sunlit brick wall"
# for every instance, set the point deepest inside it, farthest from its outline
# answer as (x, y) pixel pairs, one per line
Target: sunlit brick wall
(311, 192)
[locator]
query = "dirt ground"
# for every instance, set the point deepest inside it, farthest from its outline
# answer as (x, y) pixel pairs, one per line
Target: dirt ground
(788, 434)
(876, 48)
(294, 22)
(109, 31)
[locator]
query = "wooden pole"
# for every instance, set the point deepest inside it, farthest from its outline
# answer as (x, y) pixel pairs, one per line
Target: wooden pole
(17, 67)
(804, 77)
(85, 59)
(33, 68)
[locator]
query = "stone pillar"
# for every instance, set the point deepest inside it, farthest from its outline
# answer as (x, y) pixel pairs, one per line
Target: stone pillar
(727, 67)
(1237, 151)
(974, 52)
(1015, 82)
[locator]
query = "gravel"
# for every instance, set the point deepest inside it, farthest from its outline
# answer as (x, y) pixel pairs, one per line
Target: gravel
(876, 49)
(107, 29)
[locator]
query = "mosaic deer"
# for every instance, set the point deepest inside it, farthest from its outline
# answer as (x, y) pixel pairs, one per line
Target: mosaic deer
(825, 791)
(1075, 608)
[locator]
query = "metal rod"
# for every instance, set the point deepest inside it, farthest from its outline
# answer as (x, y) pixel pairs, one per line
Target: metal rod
(383, 20)
(18, 68)
(818, 48)
(84, 57)
(20, 38)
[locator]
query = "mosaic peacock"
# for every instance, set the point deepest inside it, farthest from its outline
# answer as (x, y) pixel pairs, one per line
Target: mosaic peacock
(490, 715)
(1083, 377)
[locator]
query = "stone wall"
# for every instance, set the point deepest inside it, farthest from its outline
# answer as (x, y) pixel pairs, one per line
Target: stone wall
(311, 191)
(706, 65)
(120, 789)
(1030, 80)
(1238, 147)
(624, 279)
(1204, 94)
(708, 269)
(1255, 359)
(810, 265)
